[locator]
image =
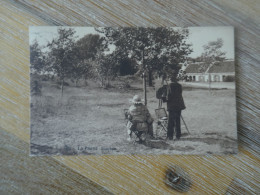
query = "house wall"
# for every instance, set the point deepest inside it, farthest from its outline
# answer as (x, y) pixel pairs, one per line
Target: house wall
(204, 77)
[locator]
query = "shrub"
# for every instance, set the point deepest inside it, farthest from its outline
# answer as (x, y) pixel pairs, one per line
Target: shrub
(126, 84)
(64, 84)
(229, 78)
(36, 88)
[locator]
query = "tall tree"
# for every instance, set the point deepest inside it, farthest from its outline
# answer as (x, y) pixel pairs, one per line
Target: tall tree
(63, 54)
(86, 50)
(169, 51)
(212, 53)
(37, 58)
(91, 44)
(157, 50)
(104, 68)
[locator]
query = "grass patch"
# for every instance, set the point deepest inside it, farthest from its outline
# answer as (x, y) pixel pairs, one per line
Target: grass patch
(90, 116)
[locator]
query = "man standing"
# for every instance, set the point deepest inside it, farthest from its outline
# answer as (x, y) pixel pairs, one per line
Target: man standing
(175, 105)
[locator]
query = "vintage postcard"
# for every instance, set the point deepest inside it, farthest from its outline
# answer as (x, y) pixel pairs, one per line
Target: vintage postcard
(108, 91)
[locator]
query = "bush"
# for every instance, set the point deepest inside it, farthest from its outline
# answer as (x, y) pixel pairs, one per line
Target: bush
(36, 88)
(64, 84)
(124, 81)
(229, 78)
(126, 84)
(45, 78)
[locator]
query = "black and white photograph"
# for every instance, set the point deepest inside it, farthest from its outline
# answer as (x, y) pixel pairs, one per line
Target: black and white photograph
(132, 90)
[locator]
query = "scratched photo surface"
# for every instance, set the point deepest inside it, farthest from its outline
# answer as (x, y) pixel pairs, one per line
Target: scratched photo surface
(108, 91)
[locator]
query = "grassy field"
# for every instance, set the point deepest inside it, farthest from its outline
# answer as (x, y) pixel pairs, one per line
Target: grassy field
(90, 120)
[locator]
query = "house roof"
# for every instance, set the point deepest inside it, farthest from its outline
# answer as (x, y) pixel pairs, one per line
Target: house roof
(195, 68)
(218, 67)
(221, 67)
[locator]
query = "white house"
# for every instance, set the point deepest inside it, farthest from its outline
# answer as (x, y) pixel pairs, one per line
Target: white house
(217, 72)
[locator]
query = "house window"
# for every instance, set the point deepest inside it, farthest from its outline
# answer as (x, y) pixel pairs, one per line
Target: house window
(194, 78)
(216, 78)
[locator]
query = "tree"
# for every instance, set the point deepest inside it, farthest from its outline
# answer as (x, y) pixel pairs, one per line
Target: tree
(156, 50)
(37, 58)
(170, 50)
(104, 68)
(63, 54)
(91, 44)
(88, 47)
(127, 66)
(79, 69)
(212, 53)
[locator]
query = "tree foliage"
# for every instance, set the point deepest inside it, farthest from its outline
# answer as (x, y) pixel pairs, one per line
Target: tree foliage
(90, 45)
(63, 55)
(156, 50)
(212, 53)
(104, 69)
(87, 48)
(37, 57)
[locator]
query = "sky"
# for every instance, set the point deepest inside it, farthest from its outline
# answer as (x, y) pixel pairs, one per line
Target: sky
(198, 36)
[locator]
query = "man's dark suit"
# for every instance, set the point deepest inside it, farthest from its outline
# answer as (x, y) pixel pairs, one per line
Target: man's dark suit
(175, 105)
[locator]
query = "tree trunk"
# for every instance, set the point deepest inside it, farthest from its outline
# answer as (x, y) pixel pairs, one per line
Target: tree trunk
(102, 82)
(209, 81)
(76, 82)
(85, 81)
(62, 86)
(150, 78)
(162, 83)
(144, 86)
(107, 80)
(144, 80)
(164, 80)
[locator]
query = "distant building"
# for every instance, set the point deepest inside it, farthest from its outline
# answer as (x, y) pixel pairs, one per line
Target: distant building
(218, 72)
